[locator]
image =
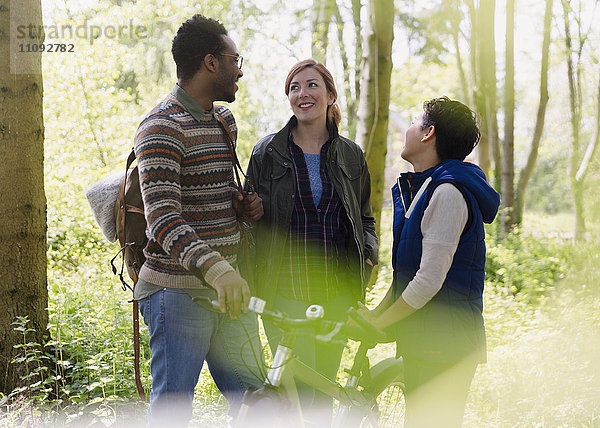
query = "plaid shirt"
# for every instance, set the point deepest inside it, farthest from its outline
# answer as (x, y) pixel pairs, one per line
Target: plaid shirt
(316, 239)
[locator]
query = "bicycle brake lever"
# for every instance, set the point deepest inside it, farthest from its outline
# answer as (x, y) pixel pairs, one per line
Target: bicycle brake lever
(328, 338)
(207, 303)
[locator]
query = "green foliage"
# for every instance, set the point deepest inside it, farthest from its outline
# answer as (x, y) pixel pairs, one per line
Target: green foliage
(430, 27)
(89, 304)
(526, 265)
(85, 371)
(37, 383)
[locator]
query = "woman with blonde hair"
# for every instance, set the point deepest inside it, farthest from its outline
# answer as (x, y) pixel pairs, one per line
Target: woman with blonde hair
(316, 243)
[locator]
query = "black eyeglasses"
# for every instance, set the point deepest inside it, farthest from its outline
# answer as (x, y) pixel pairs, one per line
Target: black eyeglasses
(239, 60)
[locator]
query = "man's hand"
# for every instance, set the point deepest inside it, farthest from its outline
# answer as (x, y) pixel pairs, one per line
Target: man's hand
(233, 293)
(247, 206)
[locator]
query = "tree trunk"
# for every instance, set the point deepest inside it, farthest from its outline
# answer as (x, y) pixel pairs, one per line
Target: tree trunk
(487, 69)
(473, 48)
(483, 63)
(350, 100)
(459, 64)
(373, 114)
(593, 145)
(507, 217)
(323, 10)
(23, 287)
(358, 58)
(527, 170)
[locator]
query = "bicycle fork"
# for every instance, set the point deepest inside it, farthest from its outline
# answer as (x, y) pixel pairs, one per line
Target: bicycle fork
(343, 412)
(277, 377)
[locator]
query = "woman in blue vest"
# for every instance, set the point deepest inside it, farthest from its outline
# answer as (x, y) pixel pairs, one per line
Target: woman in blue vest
(435, 302)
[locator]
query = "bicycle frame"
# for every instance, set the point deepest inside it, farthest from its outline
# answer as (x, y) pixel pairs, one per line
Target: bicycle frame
(286, 369)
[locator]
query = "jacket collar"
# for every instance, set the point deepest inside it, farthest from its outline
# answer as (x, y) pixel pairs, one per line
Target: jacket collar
(279, 142)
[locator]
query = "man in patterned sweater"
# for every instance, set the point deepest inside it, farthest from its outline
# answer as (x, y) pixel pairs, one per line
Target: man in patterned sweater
(186, 172)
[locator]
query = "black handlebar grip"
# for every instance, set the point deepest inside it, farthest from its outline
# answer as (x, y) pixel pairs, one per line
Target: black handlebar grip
(374, 333)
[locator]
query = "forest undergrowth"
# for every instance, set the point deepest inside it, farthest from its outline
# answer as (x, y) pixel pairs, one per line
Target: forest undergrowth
(542, 312)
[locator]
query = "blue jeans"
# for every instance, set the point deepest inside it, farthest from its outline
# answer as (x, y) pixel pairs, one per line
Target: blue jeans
(182, 336)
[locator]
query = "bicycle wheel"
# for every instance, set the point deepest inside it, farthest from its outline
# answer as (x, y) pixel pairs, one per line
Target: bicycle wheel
(385, 386)
(390, 405)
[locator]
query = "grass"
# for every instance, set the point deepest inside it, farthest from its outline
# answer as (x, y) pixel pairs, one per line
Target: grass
(537, 223)
(543, 368)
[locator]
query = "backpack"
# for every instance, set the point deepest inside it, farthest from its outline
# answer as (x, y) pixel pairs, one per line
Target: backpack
(116, 203)
(130, 230)
(130, 224)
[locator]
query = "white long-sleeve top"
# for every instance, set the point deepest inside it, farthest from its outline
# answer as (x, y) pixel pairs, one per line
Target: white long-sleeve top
(443, 222)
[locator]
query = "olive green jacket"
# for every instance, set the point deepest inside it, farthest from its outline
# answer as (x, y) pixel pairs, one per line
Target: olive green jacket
(272, 175)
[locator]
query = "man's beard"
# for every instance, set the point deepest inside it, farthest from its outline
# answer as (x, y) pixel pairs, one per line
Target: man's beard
(225, 90)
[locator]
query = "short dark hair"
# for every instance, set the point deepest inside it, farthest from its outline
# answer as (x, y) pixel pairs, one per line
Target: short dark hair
(196, 38)
(456, 128)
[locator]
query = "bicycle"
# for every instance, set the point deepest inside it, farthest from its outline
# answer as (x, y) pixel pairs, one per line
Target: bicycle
(357, 399)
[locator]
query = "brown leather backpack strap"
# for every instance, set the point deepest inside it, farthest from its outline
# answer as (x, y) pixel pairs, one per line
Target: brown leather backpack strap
(122, 206)
(225, 127)
(126, 208)
(130, 159)
(136, 350)
(236, 163)
(245, 235)
(136, 344)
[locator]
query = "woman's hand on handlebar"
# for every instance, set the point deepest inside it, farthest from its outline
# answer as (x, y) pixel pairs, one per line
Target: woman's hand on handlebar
(370, 333)
(365, 312)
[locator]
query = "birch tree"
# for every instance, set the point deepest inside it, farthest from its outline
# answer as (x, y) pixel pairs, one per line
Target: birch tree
(373, 114)
(526, 172)
(322, 14)
(579, 158)
(483, 64)
(328, 12)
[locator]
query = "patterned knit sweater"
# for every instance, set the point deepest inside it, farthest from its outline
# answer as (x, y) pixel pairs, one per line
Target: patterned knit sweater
(185, 176)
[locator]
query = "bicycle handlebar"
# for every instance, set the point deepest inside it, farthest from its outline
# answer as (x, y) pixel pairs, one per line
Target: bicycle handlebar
(362, 331)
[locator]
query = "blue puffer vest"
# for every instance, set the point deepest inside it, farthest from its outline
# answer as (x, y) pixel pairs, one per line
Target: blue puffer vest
(450, 326)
